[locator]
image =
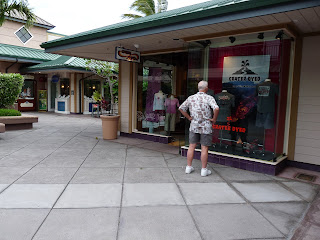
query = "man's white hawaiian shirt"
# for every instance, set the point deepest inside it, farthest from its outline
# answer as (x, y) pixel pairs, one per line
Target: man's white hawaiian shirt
(200, 106)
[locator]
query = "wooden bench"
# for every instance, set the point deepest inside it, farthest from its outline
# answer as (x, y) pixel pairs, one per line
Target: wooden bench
(2, 128)
(18, 122)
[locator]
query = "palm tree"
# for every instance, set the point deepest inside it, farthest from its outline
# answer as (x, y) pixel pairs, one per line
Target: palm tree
(146, 8)
(9, 7)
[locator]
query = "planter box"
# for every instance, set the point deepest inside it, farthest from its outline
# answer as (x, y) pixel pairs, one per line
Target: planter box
(2, 128)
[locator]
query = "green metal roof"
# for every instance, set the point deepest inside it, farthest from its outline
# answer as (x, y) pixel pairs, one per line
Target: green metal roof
(31, 54)
(63, 62)
(208, 9)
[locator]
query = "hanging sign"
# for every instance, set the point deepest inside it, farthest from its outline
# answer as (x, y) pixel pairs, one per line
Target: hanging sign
(245, 69)
(55, 79)
(28, 77)
(127, 55)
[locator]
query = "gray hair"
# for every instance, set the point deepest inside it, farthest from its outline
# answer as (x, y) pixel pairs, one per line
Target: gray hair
(202, 85)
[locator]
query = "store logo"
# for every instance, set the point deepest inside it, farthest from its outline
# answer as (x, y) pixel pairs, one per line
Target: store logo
(127, 55)
(244, 69)
(239, 69)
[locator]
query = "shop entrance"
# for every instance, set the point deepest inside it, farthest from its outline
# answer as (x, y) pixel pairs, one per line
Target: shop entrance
(53, 95)
(161, 88)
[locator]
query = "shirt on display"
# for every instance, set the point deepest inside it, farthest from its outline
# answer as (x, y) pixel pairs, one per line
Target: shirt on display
(200, 105)
(158, 101)
(225, 101)
(171, 105)
(266, 93)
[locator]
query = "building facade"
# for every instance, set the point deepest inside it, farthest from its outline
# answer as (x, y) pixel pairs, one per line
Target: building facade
(52, 82)
(259, 58)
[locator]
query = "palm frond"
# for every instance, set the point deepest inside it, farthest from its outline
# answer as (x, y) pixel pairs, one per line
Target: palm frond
(130, 16)
(23, 8)
(8, 7)
(146, 7)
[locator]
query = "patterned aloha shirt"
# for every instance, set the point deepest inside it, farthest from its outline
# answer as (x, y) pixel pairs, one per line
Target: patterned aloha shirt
(200, 105)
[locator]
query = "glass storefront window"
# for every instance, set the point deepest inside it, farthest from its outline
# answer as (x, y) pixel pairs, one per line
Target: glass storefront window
(161, 89)
(248, 79)
(90, 86)
(27, 89)
(64, 87)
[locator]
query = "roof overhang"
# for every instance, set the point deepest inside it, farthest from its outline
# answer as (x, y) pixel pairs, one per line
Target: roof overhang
(20, 60)
(35, 70)
(173, 33)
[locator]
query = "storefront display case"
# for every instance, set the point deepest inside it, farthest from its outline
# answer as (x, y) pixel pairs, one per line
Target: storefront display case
(160, 90)
(27, 98)
(249, 80)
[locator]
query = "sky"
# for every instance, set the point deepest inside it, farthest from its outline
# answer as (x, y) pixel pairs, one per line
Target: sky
(74, 16)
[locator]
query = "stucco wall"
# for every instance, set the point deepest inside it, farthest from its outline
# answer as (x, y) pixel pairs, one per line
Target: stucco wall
(7, 35)
(125, 100)
(308, 126)
(13, 69)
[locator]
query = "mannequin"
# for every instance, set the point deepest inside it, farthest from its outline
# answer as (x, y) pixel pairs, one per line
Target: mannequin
(266, 93)
(158, 101)
(226, 103)
(266, 105)
(171, 105)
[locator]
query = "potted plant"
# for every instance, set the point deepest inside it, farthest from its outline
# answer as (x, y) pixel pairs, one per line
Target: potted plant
(110, 119)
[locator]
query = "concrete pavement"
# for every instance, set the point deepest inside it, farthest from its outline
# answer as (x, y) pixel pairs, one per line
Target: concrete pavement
(61, 180)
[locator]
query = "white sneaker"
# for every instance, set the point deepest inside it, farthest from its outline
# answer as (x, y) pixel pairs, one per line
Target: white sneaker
(205, 172)
(189, 169)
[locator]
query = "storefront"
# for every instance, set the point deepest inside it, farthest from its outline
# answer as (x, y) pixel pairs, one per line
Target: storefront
(251, 56)
(66, 85)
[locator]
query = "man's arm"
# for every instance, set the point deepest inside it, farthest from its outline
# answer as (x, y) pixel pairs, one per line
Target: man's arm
(185, 114)
(215, 115)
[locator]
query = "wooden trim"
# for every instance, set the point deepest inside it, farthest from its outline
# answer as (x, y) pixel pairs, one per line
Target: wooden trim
(119, 92)
(81, 94)
(130, 97)
(284, 26)
(70, 79)
(135, 97)
(312, 34)
(295, 97)
(75, 92)
(168, 50)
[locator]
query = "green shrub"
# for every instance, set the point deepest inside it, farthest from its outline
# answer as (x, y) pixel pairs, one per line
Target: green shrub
(10, 88)
(9, 112)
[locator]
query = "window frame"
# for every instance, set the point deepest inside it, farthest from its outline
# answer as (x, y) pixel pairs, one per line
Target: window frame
(15, 33)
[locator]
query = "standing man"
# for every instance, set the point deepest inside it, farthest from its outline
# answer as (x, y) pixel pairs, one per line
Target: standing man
(200, 105)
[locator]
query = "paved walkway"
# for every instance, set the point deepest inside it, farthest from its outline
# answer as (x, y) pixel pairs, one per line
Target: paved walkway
(62, 181)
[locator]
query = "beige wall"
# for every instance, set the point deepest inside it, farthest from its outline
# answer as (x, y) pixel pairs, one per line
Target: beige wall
(7, 35)
(12, 69)
(308, 125)
(53, 36)
(125, 100)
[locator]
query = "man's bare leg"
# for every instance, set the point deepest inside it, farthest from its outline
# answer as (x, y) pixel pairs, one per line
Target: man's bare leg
(190, 153)
(204, 156)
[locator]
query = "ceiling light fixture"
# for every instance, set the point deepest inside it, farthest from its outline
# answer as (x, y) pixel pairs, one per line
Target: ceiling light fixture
(232, 39)
(261, 36)
(279, 35)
